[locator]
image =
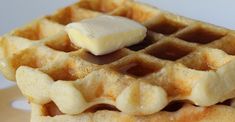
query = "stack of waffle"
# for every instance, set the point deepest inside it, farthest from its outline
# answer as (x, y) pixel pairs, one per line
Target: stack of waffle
(182, 71)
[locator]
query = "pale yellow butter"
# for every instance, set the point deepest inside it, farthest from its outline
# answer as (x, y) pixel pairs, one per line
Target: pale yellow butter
(105, 34)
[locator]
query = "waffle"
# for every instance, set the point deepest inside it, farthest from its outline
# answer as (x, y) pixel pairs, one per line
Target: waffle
(182, 71)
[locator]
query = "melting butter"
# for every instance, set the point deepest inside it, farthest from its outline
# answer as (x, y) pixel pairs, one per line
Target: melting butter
(105, 34)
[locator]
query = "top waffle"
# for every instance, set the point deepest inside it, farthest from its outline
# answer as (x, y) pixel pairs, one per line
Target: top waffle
(179, 60)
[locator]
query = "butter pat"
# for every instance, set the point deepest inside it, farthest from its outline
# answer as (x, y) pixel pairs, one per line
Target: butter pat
(105, 34)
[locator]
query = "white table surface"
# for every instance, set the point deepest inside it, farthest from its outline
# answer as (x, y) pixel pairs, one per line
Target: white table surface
(15, 13)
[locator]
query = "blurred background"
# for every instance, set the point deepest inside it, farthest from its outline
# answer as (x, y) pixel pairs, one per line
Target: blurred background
(15, 13)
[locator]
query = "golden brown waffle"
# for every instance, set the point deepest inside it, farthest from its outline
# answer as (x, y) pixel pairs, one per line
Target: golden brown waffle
(192, 61)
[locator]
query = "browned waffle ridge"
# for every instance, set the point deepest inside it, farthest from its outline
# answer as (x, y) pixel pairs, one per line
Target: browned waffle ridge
(172, 41)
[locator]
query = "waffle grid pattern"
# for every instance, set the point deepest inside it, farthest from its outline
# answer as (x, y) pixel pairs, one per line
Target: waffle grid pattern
(173, 42)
